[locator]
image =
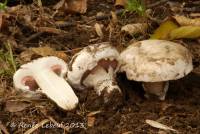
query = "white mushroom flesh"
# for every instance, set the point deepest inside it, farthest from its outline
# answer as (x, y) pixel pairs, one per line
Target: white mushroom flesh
(102, 80)
(47, 73)
(86, 61)
(56, 88)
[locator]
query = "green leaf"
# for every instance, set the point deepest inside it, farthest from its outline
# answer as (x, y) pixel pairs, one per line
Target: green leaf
(3, 5)
(162, 32)
(136, 6)
(189, 32)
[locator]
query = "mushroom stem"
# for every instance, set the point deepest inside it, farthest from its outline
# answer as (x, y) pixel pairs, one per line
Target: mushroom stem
(56, 88)
(102, 80)
(156, 88)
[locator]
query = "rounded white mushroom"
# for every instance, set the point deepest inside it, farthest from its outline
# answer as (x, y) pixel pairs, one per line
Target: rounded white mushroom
(95, 66)
(155, 62)
(47, 74)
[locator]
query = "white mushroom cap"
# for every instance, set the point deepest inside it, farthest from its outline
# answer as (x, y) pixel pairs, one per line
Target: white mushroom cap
(50, 62)
(87, 59)
(155, 61)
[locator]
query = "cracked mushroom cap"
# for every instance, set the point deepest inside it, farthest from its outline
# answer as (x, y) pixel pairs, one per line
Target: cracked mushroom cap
(83, 62)
(23, 77)
(155, 61)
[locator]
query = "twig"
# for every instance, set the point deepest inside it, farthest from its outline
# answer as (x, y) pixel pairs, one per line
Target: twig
(66, 129)
(35, 35)
(3, 128)
(156, 3)
(31, 130)
(58, 124)
(192, 9)
(107, 16)
(51, 30)
(62, 24)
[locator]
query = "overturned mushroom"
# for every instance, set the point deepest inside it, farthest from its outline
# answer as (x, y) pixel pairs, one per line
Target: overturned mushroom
(47, 74)
(95, 66)
(155, 62)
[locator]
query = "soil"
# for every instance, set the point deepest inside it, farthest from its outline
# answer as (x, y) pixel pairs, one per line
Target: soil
(122, 114)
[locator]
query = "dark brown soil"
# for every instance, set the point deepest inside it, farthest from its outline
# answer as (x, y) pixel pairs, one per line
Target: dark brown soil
(122, 114)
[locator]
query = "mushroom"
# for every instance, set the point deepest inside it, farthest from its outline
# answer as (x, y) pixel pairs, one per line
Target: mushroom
(47, 74)
(154, 63)
(95, 66)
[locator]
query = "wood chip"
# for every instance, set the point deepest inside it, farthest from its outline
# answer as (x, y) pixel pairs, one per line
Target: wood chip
(79, 6)
(135, 28)
(121, 3)
(91, 121)
(98, 29)
(114, 17)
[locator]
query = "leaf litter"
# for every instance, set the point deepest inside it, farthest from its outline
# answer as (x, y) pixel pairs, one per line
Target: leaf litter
(37, 31)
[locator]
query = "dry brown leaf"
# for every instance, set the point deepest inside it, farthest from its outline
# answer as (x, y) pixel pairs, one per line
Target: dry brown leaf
(98, 29)
(120, 3)
(26, 56)
(79, 6)
(159, 125)
(184, 21)
(16, 106)
(36, 52)
(43, 51)
(135, 28)
(47, 51)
